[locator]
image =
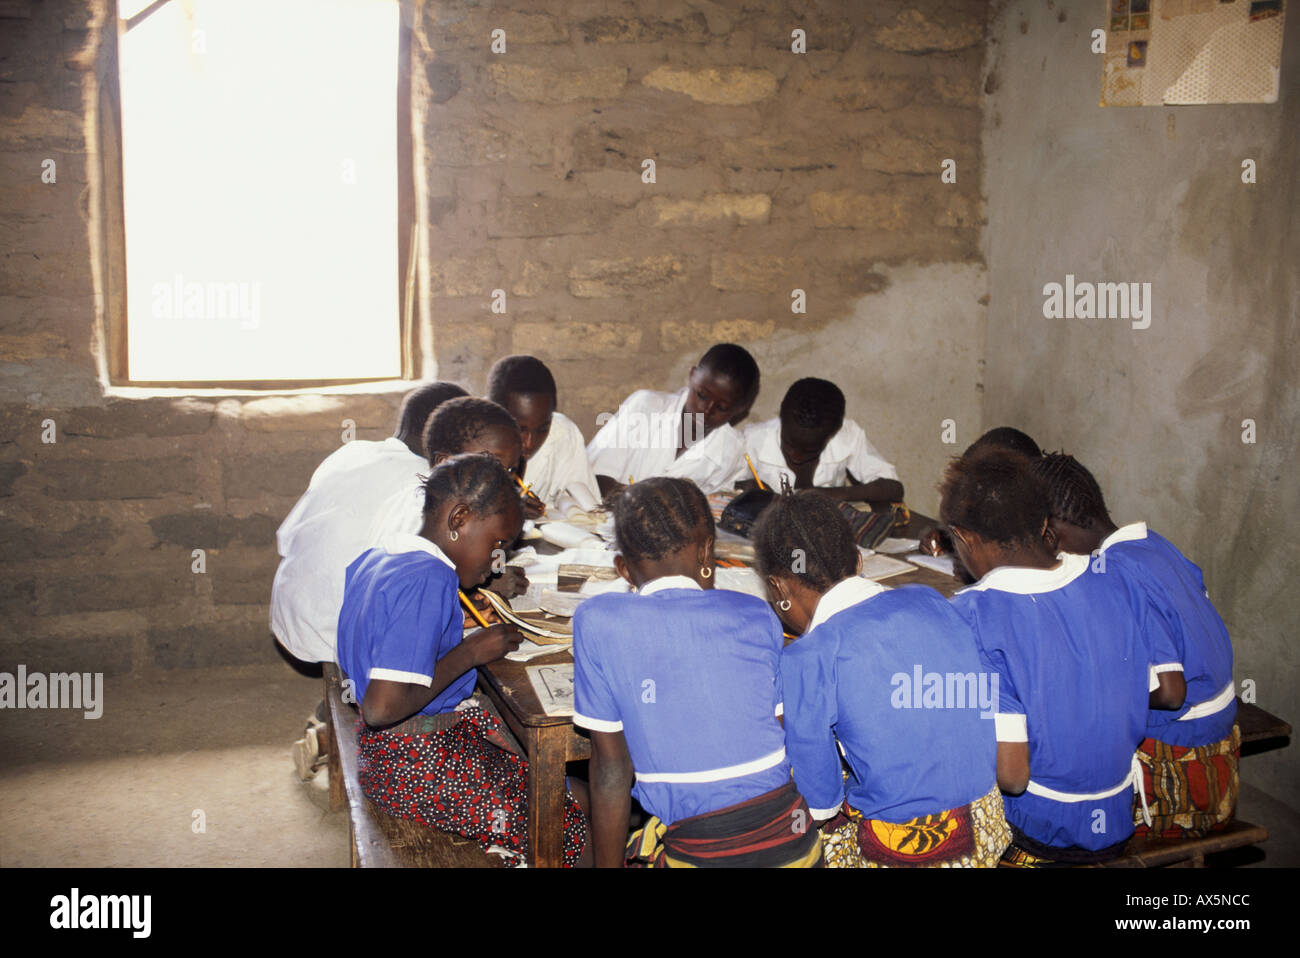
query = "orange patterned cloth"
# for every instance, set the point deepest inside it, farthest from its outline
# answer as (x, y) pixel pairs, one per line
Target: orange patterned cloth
(972, 836)
(1190, 791)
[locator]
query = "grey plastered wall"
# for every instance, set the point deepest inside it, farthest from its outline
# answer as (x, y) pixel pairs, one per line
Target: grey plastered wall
(1155, 195)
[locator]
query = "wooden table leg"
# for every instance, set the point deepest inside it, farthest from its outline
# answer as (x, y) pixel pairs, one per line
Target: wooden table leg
(546, 791)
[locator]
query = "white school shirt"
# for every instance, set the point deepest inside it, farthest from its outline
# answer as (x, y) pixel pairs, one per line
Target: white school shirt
(641, 440)
(328, 528)
(561, 463)
(848, 451)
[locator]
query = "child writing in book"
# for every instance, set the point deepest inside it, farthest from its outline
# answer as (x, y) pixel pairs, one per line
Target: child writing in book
(688, 434)
(1190, 755)
(813, 446)
(677, 685)
(428, 751)
(554, 452)
(1073, 651)
(457, 426)
(923, 791)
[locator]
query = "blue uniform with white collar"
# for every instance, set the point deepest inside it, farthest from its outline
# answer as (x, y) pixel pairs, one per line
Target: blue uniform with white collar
(895, 676)
(401, 614)
(1073, 654)
(688, 675)
(1175, 588)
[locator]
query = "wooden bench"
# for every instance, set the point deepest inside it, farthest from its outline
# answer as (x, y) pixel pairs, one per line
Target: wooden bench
(1260, 731)
(379, 840)
(1151, 852)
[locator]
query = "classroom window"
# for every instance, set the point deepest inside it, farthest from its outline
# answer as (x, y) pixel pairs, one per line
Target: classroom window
(260, 190)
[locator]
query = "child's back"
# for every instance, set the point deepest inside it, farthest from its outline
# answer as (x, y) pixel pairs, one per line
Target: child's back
(689, 677)
(1176, 589)
(898, 677)
(1073, 668)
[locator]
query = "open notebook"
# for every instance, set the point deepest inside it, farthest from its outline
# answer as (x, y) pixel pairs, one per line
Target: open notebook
(542, 627)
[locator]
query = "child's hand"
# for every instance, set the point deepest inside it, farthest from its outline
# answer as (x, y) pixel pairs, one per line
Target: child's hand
(484, 609)
(488, 645)
(932, 543)
(534, 508)
(510, 583)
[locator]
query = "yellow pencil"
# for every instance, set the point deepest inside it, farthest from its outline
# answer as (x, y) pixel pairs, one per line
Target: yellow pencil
(754, 471)
(523, 491)
(630, 480)
(472, 609)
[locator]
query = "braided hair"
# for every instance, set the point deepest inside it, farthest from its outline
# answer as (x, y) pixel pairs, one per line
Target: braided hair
(419, 404)
(660, 515)
(734, 362)
(519, 375)
(458, 422)
(994, 493)
(475, 478)
(815, 405)
(1006, 437)
(810, 523)
(1072, 491)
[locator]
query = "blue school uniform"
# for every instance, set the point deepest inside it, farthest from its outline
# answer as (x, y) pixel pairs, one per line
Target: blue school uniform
(1073, 658)
(688, 676)
(895, 676)
(401, 614)
(1175, 588)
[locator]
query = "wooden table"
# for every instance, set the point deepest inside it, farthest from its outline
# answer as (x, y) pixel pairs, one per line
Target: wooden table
(549, 740)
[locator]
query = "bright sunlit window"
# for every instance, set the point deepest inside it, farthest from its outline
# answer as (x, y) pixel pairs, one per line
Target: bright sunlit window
(259, 166)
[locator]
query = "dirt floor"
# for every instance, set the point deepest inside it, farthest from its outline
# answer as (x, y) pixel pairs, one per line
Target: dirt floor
(211, 747)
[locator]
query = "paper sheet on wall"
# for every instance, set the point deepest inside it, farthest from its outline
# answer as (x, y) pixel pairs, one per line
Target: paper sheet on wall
(1186, 52)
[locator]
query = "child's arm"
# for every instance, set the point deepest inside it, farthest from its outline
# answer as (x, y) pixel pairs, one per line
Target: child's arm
(387, 702)
(611, 797)
(882, 491)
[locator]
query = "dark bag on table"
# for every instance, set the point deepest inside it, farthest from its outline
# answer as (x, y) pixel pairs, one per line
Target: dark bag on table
(743, 511)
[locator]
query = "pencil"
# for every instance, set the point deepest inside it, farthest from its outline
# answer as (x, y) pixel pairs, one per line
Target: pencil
(523, 491)
(478, 617)
(630, 480)
(754, 471)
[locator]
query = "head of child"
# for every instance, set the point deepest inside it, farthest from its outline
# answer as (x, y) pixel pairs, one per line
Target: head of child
(812, 412)
(417, 406)
(663, 527)
(472, 425)
(1078, 510)
(804, 546)
(722, 386)
(472, 513)
(1006, 437)
(525, 388)
(996, 510)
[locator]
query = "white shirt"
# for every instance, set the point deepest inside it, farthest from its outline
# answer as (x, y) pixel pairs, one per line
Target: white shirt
(561, 463)
(848, 451)
(326, 529)
(641, 441)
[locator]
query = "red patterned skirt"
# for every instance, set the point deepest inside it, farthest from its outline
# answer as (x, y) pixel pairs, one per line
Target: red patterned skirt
(458, 773)
(1191, 792)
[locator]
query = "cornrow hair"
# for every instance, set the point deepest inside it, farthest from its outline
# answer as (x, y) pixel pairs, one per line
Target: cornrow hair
(1006, 437)
(458, 422)
(995, 494)
(805, 525)
(475, 478)
(735, 362)
(519, 375)
(1072, 491)
(419, 404)
(660, 515)
(814, 404)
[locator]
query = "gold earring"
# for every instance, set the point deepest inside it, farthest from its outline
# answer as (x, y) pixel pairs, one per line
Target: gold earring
(454, 535)
(706, 573)
(785, 605)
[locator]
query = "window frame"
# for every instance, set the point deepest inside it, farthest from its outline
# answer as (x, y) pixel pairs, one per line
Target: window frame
(112, 224)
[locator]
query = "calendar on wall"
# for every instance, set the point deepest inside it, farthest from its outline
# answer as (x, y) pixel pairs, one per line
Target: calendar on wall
(1183, 52)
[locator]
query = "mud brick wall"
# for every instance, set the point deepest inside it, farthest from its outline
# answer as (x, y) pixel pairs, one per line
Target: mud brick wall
(774, 170)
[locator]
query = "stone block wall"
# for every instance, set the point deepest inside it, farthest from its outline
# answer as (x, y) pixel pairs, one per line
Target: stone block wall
(774, 170)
